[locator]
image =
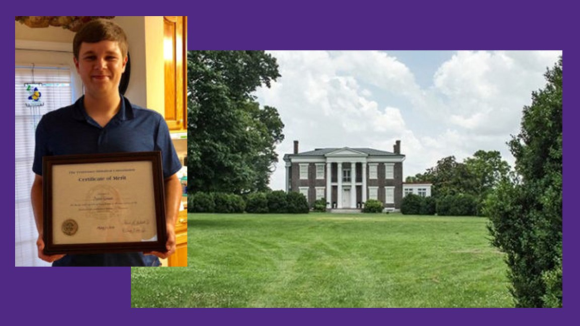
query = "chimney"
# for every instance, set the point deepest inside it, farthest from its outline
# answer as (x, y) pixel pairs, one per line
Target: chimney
(295, 147)
(398, 147)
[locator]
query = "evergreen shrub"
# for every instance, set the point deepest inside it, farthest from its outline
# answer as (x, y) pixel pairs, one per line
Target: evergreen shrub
(296, 203)
(373, 206)
(200, 202)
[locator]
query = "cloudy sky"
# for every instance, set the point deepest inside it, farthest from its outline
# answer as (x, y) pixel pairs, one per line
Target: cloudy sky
(438, 103)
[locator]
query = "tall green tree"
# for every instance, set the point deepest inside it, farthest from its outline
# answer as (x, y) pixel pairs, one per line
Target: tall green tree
(231, 139)
(526, 214)
(488, 170)
(476, 175)
(264, 133)
(419, 178)
(448, 177)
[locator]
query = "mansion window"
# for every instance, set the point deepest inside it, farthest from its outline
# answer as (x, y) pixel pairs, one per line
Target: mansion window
(304, 191)
(303, 171)
(319, 171)
(372, 171)
(389, 171)
(389, 195)
(373, 193)
(346, 175)
(408, 191)
(319, 193)
(422, 192)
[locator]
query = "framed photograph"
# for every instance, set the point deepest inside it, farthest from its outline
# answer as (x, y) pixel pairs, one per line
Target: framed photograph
(103, 203)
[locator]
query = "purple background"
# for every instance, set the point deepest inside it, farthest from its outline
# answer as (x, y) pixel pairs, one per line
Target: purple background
(93, 296)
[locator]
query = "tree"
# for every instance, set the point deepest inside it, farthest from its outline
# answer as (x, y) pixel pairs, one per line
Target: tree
(476, 176)
(264, 133)
(449, 177)
(526, 214)
(420, 177)
(488, 170)
(231, 140)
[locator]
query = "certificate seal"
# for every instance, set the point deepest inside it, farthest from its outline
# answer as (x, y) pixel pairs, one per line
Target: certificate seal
(70, 227)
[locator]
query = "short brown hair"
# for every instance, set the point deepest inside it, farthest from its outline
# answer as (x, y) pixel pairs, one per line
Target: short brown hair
(100, 30)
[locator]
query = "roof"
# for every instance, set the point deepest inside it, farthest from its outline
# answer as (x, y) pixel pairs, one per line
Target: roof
(324, 151)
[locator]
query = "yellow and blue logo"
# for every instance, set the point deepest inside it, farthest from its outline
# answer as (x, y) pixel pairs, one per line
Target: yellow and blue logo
(35, 96)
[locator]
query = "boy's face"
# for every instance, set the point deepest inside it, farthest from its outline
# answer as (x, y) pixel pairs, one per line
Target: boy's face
(100, 66)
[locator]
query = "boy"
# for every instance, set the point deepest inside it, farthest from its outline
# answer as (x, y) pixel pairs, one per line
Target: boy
(104, 121)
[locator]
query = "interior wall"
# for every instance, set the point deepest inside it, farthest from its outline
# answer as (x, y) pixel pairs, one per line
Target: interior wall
(145, 35)
(48, 34)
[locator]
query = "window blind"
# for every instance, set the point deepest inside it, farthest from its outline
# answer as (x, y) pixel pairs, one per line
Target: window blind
(54, 85)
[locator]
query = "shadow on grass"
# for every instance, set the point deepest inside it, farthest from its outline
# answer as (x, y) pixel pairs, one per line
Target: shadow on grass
(239, 221)
(217, 223)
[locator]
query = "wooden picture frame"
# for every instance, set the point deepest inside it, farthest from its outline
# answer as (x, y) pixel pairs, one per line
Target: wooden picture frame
(103, 203)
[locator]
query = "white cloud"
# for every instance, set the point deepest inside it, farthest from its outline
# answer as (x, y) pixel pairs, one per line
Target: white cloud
(475, 103)
(468, 74)
(316, 91)
(378, 69)
(484, 92)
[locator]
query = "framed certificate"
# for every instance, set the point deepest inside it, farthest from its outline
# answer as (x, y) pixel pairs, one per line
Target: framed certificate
(103, 203)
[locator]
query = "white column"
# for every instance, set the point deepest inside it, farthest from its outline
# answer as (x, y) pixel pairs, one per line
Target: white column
(352, 185)
(339, 188)
(329, 185)
(364, 182)
(287, 178)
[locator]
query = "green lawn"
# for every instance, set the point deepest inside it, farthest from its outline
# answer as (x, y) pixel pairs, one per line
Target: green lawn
(330, 260)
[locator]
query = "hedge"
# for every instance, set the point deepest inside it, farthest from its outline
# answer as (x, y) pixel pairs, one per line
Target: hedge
(200, 202)
(228, 203)
(296, 203)
(277, 202)
(260, 203)
(456, 205)
(257, 203)
(411, 204)
(319, 205)
(373, 206)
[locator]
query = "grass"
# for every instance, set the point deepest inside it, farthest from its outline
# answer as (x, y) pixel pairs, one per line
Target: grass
(330, 260)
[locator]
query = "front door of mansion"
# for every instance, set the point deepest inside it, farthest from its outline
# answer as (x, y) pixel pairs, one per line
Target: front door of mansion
(346, 198)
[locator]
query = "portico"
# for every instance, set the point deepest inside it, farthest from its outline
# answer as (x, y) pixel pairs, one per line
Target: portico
(350, 185)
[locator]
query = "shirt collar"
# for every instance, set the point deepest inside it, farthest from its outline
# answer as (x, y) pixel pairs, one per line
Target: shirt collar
(125, 112)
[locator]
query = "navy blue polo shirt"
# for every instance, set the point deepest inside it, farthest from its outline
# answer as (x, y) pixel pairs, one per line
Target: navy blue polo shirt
(70, 130)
